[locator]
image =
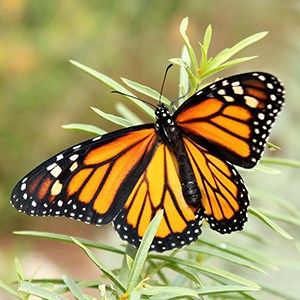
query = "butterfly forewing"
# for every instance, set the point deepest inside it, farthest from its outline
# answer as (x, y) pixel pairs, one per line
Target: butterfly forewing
(90, 181)
(235, 115)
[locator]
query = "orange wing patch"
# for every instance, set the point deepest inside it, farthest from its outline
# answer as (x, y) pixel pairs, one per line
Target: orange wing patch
(223, 194)
(159, 188)
(226, 126)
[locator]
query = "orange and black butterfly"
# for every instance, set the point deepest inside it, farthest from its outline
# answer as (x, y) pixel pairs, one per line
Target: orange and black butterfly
(183, 164)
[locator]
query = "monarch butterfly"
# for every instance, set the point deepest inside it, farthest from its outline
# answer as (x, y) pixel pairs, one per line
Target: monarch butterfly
(182, 163)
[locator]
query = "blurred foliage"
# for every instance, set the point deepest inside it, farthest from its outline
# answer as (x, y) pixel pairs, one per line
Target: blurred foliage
(40, 90)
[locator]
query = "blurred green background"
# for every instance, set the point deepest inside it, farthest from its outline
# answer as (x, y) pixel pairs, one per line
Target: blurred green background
(40, 91)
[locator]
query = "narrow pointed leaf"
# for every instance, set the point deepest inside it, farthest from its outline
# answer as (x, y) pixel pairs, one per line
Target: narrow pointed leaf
(237, 250)
(99, 264)
(281, 161)
(40, 292)
(280, 217)
(223, 289)
(67, 238)
(142, 252)
(183, 75)
(207, 269)
(112, 118)
(85, 127)
(226, 54)
(183, 29)
(128, 113)
(270, 223)
(113, 85)
(10, 290)
(145, 90)
(74, 288)
(162, 292)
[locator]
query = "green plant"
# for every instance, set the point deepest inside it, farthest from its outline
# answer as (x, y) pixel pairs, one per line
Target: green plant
(145, 275)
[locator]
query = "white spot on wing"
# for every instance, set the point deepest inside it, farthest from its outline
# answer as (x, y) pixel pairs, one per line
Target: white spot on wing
(59, 157)
(74, 166)
(56, 171)
(251, 101)
(56, 188)
(238, 90)
(52, 166)
(74, 157)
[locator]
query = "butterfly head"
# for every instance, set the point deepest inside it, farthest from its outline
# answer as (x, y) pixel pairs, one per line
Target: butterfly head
(165, 124)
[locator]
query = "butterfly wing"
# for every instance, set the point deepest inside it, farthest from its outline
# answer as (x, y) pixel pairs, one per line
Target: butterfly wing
(235, 115)
(224, 197)
(159, 188)
(91, 181)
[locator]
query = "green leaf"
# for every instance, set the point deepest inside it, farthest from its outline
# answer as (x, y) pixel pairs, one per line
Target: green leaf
(183, 74)
(162, 292)
(192, 78)
(226, 256)
(113, 85)
(270, 223)
(10, 290)
(281, 161)
(67, 238)
(85, 127)
(266, 169)
(19, 269)
(112, 118)
(110, 275)
(237, 250)
(210, 71)
(193, 59)
(145, 90)
(279, 293)
(74, 288)
(223, 289)
(141, 255)
(34, 290)
(128, 113)
(204, 48)
(273, 146)
(280, 217)
(260, 193)
(184, 271)
(226, 54)
(206, 269)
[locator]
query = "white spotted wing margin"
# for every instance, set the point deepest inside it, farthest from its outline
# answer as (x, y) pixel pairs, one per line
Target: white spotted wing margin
(69, 183)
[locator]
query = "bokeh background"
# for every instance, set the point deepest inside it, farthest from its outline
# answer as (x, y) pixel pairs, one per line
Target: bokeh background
(40, 91)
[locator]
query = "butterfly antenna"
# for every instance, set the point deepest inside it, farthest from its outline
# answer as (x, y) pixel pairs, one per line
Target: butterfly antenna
(163, 82)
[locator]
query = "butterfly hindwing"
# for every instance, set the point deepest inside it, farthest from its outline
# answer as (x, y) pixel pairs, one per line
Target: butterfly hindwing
(224, 196)
(159, 188)
(234, 114)
(90, 181)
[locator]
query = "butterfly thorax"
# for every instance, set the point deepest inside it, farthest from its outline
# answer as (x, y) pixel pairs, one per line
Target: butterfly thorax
(165, 125)
(170, 134)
